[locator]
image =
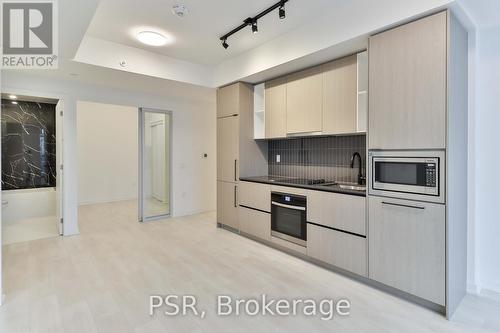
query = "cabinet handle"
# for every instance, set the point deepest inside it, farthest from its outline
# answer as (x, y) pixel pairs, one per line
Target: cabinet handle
(235, 170)
(401, 205)
(235, 196)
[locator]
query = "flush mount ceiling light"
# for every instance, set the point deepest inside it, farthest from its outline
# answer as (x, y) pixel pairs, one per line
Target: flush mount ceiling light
(12, 96)
(252, 21)
(14, 102)
(152, 38)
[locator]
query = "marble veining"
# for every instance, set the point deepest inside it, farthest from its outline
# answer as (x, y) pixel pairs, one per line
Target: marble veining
(28, 145)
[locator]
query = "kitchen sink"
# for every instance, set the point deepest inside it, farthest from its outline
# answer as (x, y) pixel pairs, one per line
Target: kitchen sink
(352, 187)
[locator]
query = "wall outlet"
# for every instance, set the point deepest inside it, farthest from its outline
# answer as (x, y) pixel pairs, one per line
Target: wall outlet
(278, 158)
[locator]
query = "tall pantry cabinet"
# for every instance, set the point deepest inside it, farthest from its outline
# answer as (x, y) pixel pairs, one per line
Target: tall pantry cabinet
(418, 101)
(235, 135)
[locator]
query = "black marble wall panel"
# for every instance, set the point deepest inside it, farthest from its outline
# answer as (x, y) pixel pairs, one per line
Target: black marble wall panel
(326, 158)
(28, 145)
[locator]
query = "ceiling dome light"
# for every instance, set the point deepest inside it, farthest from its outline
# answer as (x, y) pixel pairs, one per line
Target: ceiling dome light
(151, 38)
(12, 96)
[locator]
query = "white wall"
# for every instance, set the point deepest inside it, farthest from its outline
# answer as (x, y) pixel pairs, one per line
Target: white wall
(487, 203)
(194, 133)
(107, 152)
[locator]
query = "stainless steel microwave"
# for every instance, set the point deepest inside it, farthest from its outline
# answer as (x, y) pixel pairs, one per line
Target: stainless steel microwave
(412, 174)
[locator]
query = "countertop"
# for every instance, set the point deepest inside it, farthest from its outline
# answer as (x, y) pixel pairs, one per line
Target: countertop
(282, 181)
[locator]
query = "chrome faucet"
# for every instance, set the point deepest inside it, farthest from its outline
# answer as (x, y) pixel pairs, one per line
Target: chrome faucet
(361, 179)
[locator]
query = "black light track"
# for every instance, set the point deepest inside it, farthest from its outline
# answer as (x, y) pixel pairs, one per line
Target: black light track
(251, 21)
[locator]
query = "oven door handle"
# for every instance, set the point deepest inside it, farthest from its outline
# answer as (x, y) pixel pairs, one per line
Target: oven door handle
(288, 206)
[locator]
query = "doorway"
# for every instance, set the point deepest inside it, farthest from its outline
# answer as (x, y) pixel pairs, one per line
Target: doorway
(31, 168)
(155, 140)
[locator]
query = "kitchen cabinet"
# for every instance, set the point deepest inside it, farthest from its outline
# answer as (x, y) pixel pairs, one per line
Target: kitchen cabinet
(304, 101)
(407, 84)
(227, 204)
(255, 223)
(228, 149)
(275, 108)
(340, 96)
(337, 248)
(228, 103)
(407, 246)
(255, 195)
(339, 211)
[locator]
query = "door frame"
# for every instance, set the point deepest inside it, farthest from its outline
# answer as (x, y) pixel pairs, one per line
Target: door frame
(141, 217)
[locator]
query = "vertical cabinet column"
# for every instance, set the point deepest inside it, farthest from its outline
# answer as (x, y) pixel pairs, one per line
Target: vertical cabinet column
(228, 149)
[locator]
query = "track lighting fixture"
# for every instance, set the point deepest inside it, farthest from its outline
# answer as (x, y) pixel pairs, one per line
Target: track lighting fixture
(252, 21)
(282, 13)
(255, 29)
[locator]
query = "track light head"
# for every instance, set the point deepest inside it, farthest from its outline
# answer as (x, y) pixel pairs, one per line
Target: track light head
(282, 13)
(225, 44)
(255, 29)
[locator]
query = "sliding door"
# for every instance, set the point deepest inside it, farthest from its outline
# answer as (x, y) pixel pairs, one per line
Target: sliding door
(154, 164)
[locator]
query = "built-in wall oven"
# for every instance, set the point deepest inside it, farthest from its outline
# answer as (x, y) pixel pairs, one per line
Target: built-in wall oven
(288, 217)
(413, 174)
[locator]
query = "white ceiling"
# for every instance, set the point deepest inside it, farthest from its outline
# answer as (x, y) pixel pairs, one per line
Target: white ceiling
(196, 36)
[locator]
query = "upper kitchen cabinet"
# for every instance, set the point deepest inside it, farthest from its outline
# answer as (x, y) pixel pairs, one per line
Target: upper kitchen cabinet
(407, 84)
(304, 102)
(228, 101)
(340, 96)
(275, 108)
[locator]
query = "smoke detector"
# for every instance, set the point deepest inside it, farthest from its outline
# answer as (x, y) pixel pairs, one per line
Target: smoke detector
(180, 10)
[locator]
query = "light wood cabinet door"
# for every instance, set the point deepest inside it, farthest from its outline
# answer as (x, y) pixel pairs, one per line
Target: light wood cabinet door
(255, 223)
(228, 149)
(407, 85)
(255, 195)
(407, 246)
(337, 248)
(304, 101)
(340, 96)
(228, 100)
(227, 204)
(339, 211)
(275, 108)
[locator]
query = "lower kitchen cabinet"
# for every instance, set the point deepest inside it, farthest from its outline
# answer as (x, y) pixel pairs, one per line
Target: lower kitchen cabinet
(339, 211)
(337, 248)
(227, 204)
(255, 223)
(255, 195)
(407, 246)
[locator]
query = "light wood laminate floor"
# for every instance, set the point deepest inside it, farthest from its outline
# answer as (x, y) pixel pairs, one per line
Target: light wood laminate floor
(100, 281)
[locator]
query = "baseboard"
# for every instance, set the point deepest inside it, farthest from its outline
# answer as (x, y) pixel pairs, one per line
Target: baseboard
(96, 202)
(473, 289)
(491, 294)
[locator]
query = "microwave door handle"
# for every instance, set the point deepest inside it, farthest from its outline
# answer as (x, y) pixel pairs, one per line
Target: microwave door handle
(288, 206)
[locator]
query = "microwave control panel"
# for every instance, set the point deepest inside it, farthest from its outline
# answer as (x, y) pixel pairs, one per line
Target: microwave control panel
(430, 172)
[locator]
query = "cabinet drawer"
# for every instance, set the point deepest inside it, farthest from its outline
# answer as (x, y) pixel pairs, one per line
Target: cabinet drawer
(255, 195)
(255, 223)
(339, 211)
(407, 246)
(337, 248)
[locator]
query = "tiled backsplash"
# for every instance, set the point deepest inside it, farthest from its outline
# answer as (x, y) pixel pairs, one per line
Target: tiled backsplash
(326, 158)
